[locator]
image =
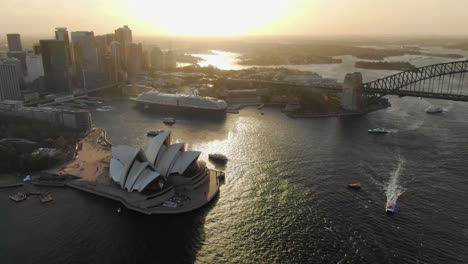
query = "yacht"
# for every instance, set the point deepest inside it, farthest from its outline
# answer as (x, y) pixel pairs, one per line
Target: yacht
(378, 130)
(434, 110)
(180, 102)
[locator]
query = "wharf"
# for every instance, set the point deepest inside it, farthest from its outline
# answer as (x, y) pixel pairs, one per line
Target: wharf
(4, 186)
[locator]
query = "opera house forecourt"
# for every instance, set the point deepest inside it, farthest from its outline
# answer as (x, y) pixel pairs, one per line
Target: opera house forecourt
(162, 178)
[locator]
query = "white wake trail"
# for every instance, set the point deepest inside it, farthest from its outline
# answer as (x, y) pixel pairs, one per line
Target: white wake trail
(394, 190)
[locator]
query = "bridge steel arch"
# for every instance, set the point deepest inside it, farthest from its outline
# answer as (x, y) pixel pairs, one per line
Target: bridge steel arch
(406, 83)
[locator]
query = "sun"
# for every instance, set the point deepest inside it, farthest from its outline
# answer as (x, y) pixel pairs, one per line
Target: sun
(208, 17)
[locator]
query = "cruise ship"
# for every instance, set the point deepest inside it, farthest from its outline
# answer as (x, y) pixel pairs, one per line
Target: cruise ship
(180, 102)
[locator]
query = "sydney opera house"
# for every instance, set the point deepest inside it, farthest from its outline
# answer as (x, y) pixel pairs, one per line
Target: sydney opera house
(161, 178)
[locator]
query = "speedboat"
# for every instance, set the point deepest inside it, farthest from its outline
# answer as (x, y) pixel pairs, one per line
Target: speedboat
(354, 186)
(218, 157)
(378, 130)
(434, 110)
(390, 208)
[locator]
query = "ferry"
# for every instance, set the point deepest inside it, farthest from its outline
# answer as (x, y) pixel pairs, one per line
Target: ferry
(434, 110)
(169, 121)
(390, 208)
(378, 130)
(180, 102)
(153, 133)
(218, 157)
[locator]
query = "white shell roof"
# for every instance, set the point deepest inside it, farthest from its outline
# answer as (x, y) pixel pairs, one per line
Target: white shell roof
(183, 161)
(168, 158)
(135, 172)
(153, 147)
(145, 178)
(134, 168)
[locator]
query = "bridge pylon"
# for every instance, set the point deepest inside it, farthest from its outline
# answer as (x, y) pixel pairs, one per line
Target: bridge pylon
(352, 98)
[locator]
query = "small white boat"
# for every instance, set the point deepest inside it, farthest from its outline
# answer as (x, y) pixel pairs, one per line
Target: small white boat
(169, 121)
(218, 157)
(105, 108)
(390, 208)
(18, 197)
(434, 110)
(378, 130)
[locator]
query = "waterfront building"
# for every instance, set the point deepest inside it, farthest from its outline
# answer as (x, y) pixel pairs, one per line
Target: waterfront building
(135, 59)
(85, 57)
(170, 60)
(9, 79)
(157, 58)
(115, 61)
(124, 36)
(55, 65)
(14, 42)
(102, 52)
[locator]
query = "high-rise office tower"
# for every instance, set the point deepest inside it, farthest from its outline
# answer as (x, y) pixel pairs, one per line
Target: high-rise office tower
(157, 59)
(102, 52)
(135, 59)
(85, 57)
(124, 36)
(55, 64)
(61, 33)
(9, 79)
(14, 42)
(115, 60)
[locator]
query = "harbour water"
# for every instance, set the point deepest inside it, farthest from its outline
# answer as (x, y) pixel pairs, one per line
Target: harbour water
(285, 199)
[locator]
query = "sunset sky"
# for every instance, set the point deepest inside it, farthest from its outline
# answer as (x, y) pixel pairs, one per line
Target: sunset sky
(238, 17)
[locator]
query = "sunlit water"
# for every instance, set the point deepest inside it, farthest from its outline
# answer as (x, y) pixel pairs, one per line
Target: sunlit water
(285, 199)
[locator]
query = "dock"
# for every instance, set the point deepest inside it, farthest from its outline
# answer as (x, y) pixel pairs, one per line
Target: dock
(13, 185)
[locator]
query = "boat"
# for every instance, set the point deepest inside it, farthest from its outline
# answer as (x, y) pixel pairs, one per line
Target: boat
(354, 186)
(390, 208)
(378, 130)
(188, 103)
(44, 198)
(153, 133)
(434, 110)
(218, 157)
(169, 121)
(104, 108)
(18, 197)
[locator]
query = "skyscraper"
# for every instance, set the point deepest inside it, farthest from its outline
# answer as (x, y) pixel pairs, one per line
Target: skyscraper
(124, 36)
(115, 61)
(157, 58)
(9, 79)
(14, 42)
(55, 64)
(135, 59)
(85, 55)
(61, 33)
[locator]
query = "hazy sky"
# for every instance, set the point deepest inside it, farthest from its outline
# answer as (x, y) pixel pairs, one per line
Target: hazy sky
(234, 17)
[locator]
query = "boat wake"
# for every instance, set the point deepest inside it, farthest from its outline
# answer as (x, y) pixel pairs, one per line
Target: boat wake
(394, 190)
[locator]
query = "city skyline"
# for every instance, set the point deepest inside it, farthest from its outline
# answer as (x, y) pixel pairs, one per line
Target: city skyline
(233, 18)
